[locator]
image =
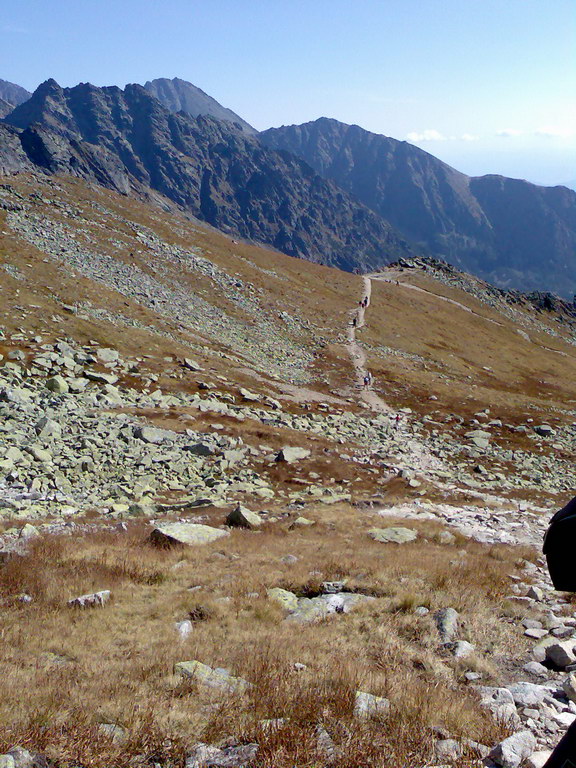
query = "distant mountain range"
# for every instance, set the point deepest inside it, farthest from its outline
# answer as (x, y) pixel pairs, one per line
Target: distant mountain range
(127, 140)
(508, 231)
(325, 191)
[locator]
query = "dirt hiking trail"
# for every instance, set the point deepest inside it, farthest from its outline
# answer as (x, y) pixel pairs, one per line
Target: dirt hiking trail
(357, 354)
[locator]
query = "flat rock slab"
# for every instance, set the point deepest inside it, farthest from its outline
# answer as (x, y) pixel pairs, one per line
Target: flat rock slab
(290, 454)
(189, 534)
(213, 678)
(153, 435)
(393, 535)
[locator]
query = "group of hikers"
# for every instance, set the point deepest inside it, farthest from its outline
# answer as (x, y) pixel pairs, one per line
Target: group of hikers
(362, 304)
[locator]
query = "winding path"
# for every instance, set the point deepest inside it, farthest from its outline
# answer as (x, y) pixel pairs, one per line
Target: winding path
(357, 354)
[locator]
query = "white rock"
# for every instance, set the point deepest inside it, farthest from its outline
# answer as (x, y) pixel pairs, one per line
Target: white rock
(366, 705)
(92, 600)
(538, 759)
(561, 654)
(511, 752)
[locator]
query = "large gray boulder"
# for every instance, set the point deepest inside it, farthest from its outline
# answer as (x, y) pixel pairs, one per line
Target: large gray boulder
(189, 534)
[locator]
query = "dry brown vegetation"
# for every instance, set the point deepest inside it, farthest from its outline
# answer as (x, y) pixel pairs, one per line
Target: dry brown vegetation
(65, 670)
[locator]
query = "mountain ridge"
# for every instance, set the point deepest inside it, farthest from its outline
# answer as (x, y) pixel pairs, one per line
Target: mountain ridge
(12, 93)
(179, 95)
(452, 215)
(127, 140)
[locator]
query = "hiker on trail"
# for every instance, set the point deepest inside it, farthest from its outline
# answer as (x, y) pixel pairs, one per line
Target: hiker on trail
(365, 301)
(397, 421)
(354, 319)
(366, 380)
(559, 550)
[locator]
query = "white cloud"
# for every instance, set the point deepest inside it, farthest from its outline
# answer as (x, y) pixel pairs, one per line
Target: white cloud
(554, 132)
(430, 134)
(508, 133)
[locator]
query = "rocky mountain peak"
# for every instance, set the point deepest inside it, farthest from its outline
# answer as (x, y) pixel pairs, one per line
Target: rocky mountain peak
(12, 93)
(178, 95)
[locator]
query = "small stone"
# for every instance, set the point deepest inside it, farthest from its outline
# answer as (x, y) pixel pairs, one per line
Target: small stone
(535, 593)
(107, 355)
(569, 687)
(367, 705)
(115, 733)
(58, 385)
(447, 622)
(93, 600)
(192, 365)
(461, 649)
(511, 752)
(213, 678)
(447, 750)
(242, 517)
(287, 600)
(561, 654)
(445, 537)
(291, 454)
(153, 435)
(544, 430)
(393, 535)
(538, 759)
(302, 522)
(536, 669)
(184, 628)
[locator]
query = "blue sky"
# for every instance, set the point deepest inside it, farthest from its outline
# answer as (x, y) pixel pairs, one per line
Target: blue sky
(487, 85)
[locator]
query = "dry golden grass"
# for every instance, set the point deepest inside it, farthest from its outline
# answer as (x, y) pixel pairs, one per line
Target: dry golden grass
(65, 671)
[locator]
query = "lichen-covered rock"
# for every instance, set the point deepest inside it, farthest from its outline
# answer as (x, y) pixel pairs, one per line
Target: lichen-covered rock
(186, 534)
(213, 678)
(393, 535)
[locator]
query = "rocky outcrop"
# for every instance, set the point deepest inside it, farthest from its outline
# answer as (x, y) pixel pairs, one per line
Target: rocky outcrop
(12, 93)
(5, 108)
(181, 96)
(508, 231)
(127, 140)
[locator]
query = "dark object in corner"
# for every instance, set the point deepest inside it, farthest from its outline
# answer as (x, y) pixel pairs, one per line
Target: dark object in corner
(564, 756)
(560, 547)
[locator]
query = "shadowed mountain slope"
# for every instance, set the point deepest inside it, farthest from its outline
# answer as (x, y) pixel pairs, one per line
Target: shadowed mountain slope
(12, 93)
(180, 96)
(127, 140)
(509, 231)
